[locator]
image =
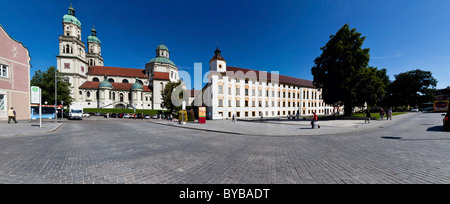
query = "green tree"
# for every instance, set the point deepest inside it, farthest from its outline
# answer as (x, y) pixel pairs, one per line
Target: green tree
(372, 86)
(339, 68)
(46, 81)
(167, 96)
(412, 88)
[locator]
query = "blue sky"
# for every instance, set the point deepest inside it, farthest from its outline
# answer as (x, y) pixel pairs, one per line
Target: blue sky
(283, 36)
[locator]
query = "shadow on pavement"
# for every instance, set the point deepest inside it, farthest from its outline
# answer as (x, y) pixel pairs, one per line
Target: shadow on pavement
(436, 129)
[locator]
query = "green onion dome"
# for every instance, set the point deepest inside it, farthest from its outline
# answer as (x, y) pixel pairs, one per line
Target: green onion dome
(162, 60)
(93, 37)
(137, 85)
(105, 83)
(70, 17)
(162, 47)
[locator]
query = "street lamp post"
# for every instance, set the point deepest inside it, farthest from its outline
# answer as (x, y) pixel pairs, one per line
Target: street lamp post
(56, 96)
(62, 110)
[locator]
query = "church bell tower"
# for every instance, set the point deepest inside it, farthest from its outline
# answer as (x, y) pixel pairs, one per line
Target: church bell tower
(71, 60)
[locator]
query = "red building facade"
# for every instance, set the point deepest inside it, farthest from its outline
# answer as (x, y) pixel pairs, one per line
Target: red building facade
(14, 77)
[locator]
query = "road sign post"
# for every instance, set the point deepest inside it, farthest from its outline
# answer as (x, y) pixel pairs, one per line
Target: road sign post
(36, 98)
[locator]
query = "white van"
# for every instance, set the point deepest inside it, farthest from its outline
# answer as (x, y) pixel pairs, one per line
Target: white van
(75, 112)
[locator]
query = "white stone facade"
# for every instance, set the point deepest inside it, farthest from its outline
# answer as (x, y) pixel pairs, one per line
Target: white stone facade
(85, 71)
(244, 94)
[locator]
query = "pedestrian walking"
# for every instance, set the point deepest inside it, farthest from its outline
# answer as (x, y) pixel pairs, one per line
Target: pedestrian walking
(314, 121)
(233, 119)
(367, 116)
(382, 114)
(390, 113)
(12, 115)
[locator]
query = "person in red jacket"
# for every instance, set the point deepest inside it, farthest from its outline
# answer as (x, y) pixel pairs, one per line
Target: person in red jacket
(314, 119)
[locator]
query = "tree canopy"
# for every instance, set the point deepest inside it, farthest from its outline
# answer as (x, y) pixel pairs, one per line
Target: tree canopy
(169, 88)
(412, 88)
(340, 70)
(372, 86)
(46, 81)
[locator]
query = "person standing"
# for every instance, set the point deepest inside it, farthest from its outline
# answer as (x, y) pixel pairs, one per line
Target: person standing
(233, 119)
(389, 114)
(382, 114)
(314, 120)
(12, 115)
(367, 116)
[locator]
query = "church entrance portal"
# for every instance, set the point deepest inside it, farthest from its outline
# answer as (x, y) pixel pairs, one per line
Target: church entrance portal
(121, 106)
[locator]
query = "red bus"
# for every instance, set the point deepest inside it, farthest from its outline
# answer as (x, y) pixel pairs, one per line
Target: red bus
(441, 103)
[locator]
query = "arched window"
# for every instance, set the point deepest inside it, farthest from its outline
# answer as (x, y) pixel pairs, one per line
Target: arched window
(111, 80)
(88, 94)
(95, 79)
(125, 81)
(114, 96)
(67, 49)
(121, 97)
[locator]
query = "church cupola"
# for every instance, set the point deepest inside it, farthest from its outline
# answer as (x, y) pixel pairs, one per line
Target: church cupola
(162, 51)
(218, 63)
(71, 10)
(70, 17)
(93, 37)
(94, 53)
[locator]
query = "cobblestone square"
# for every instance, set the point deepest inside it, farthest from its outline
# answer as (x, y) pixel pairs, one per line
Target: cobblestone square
(414, 150)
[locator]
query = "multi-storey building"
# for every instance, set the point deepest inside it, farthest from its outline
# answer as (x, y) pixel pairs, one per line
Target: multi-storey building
(247, 93)
(14, 77)
(97, 86)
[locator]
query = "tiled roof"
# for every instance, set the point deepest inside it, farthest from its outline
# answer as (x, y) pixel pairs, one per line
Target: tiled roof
(90, 85)
(161, 76)
(116, 71)
(116, 86)
(270, 77)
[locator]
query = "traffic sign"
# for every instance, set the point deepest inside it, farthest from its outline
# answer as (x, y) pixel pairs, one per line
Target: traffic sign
(35, 95)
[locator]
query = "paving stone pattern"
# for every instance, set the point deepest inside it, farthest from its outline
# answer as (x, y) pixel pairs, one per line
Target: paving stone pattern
(415, 150)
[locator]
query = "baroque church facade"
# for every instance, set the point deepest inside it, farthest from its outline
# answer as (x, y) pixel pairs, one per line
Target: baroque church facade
(97, 86)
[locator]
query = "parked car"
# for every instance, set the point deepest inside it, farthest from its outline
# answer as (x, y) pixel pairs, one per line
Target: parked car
(415, 110)
(446, 121)
(126, 115)
(155, 116)
(147, 116)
